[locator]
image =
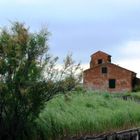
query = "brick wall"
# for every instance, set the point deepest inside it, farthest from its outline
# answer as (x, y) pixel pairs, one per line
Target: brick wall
(95, 79)
(95, 57)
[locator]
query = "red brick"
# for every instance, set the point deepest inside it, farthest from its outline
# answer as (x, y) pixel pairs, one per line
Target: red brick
(93, 77)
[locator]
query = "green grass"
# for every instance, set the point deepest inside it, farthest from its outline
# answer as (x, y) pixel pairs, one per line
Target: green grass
(132, 95)
(135, 95)
(87, 113)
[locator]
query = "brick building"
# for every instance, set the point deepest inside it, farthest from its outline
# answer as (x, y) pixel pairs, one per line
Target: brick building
(106, 76)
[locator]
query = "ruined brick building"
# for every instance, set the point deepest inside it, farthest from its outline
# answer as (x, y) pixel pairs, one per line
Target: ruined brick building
(106, 76)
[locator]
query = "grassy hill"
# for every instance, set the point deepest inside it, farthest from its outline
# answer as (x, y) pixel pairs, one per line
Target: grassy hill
(87, 113)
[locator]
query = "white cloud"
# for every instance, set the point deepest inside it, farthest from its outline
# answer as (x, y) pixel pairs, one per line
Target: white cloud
(131, 48)
(130, 56)
(69, 9)
(85, 66)
(131, 64)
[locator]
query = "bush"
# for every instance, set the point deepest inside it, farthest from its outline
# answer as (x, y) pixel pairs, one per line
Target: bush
(137, 88)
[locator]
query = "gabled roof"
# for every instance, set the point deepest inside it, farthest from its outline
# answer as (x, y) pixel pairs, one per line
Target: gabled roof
(122, 68)
(101, 52)
(112, 65)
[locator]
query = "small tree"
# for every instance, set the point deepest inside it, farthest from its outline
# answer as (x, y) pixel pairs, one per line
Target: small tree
(24, 60)
(71, 74)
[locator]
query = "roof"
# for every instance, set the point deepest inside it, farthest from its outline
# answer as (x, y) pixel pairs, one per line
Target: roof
(122, 68)
(110, 64)
(100, 52)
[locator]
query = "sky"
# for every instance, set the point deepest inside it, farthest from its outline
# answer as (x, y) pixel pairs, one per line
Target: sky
(83, 27)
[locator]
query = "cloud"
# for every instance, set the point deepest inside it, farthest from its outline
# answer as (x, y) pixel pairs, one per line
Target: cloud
(85, 66)
(131, 64)
(131, 48)
(129, 56)
(81, 8)
(83, 26)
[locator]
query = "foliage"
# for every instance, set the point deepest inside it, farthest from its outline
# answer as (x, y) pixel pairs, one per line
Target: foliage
(137, 88)
(87, 114)
(21, 89)
(134, 96)
(24, 60)
(71, 74)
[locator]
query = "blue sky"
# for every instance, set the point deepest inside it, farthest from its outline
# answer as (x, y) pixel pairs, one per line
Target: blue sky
(83, 26)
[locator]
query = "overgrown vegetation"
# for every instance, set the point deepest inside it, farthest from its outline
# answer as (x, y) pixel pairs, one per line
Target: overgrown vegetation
(87, 113)
(28, 79)
(137, 88)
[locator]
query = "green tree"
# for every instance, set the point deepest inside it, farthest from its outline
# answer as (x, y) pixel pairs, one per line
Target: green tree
(28, 79)
(23, 56)
(70, 74)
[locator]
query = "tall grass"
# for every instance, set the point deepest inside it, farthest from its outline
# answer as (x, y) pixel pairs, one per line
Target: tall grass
(87, 113)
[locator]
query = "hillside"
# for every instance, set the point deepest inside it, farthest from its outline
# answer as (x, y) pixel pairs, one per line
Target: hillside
(87, 113)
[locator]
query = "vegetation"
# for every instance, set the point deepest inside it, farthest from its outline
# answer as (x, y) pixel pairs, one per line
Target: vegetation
(87, 113)
(135, 96)
(28, 79)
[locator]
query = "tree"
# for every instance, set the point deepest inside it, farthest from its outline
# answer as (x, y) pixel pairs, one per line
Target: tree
(28, 79)
(70, 74)
(23, 56)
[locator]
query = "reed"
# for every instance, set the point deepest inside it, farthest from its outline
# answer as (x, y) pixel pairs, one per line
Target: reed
(88, 113)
